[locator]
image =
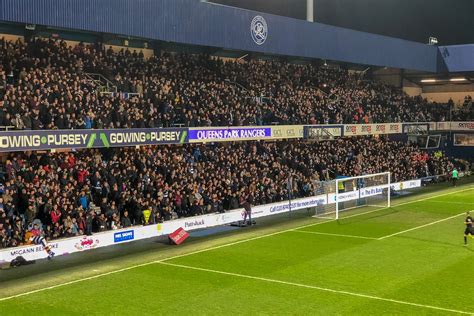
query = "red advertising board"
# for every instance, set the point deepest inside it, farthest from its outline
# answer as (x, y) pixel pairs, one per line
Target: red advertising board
(178, 236)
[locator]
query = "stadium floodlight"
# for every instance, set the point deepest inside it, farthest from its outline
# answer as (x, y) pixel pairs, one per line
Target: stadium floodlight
(457, 79)
(428, 80)
(432, 40)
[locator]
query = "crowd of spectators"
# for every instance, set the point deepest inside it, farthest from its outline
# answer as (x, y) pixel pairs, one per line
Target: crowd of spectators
(88, 191)
(44, 85)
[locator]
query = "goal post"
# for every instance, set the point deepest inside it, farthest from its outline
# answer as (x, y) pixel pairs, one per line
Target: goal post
(352, 193)
(372, 190)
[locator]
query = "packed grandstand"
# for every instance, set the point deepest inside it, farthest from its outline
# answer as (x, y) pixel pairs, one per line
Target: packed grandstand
(220, 157)
(43, 85)
(57, 190)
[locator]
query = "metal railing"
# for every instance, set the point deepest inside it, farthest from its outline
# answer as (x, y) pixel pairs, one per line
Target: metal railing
(105, 84)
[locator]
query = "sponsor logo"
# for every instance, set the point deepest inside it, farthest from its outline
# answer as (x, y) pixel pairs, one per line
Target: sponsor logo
(297, 205)
(466, 125)
(124, 236)
(32, 249)
(194, 224)
(370, 192)
(26, 140)
(366, 129)
(394, 128)
(259, 30)
(144, 137)
(380, 128)
(231, 133)
(36, 140)
(86, 243)
(350, 129)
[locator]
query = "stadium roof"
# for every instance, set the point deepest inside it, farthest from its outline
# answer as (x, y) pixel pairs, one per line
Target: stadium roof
(451, 21)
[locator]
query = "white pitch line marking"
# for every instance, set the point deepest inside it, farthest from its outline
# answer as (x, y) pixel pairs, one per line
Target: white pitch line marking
(318, 288)
(335, 235)
(212, 248)
(421, 226)
(451, 202)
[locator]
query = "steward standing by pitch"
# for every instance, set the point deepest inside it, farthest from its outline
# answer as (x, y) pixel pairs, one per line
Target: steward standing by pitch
(454, 176)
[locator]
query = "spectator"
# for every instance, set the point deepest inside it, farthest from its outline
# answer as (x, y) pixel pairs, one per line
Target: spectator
(170, 182)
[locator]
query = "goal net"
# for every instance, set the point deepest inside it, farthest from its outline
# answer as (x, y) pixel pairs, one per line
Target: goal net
(353, 193)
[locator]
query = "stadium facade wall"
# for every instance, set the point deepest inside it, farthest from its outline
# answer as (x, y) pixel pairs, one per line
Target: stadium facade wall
(444, 97)
(110, 238)
(221, 27)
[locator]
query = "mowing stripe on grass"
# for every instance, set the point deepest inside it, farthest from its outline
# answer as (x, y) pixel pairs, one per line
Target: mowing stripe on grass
(76, 281)
(421, 226)
(313, 224)
(449, 202)
(335, 235)
(378, 298)
(213, 248)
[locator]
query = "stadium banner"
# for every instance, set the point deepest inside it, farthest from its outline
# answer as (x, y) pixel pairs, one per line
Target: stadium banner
(462, 126)
(129, 234)
(226, 133)
(374, 190)
(75, 139)
(455, 126)
(372, 129)
(287, 131)
(406, 185)
(322, 132)
(416, 128)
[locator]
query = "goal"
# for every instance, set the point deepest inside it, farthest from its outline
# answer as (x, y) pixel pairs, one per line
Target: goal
(352, 193)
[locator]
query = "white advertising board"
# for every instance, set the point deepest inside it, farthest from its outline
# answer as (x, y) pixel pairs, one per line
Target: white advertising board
(109, 238)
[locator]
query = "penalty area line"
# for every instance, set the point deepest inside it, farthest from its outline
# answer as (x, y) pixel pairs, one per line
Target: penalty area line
(318, 288)
(421, 226)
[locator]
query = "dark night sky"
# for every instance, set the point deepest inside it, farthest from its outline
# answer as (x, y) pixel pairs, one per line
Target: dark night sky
(451, 21)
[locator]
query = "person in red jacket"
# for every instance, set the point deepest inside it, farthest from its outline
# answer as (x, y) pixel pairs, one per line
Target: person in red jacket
(82, 174)
(55, 214)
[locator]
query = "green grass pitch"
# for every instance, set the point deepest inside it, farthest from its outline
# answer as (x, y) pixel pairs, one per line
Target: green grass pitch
(405, 260)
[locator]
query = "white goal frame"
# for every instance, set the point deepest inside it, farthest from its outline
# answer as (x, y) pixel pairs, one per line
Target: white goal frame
(387, 186)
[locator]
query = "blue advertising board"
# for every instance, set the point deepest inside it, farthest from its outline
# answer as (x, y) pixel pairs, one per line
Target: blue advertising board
(124, 236)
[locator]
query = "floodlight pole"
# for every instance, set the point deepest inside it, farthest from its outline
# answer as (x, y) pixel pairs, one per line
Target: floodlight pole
(310, 10)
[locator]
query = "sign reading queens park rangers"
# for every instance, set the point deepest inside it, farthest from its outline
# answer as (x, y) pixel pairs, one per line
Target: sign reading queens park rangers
(67, 139)
(199, 135)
